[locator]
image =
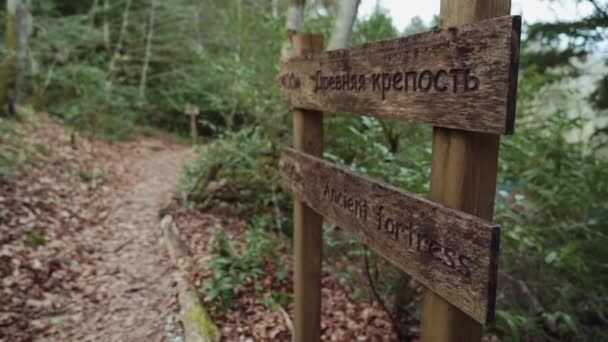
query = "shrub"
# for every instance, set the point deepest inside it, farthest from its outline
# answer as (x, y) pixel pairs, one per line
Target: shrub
(551, 204)
(230, 268)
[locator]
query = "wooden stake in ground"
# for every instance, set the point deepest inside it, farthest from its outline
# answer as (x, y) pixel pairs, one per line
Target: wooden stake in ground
(308, 238)
(193, 112)
(463, 176)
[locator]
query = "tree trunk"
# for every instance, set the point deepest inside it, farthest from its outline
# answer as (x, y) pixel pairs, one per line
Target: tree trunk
(343, 28)
(295, 15)
(9, 64)
(38, 97)
(117, 50)
(106, 25)
(93, 12)
(275, 8)
(144, 71)
(24, 28)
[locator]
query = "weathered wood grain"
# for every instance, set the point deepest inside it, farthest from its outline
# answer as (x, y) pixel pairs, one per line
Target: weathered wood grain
(307, 224)
(450, 252)
(463, 176)
(459, 77)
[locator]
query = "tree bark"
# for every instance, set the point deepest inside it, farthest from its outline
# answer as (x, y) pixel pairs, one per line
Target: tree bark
(106, 24)
(343, 28)
(9, 66)
(117, 49)
(275, 8)
(93, 12)
(295, 15)
(144, 71)
(24, 28)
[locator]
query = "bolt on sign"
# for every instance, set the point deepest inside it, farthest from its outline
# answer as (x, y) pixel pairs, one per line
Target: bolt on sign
(462, 78)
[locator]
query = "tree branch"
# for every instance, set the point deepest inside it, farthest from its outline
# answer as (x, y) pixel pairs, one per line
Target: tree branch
(602, 12)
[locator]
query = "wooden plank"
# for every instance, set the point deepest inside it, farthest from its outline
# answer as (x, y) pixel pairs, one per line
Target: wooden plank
(463, 176)
(308, 233)
(459, 77)
(451, 252)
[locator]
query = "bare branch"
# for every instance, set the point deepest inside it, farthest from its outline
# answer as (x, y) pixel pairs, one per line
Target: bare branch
(601, 11)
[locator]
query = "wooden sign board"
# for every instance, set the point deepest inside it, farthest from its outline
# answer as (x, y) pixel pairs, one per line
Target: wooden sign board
(463, 78)
(453, 253)
(192, 110)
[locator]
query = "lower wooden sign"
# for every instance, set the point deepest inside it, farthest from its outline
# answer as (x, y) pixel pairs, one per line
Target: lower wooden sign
(451, 252)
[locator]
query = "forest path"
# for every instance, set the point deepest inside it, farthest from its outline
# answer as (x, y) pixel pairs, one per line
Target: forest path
(131, 295)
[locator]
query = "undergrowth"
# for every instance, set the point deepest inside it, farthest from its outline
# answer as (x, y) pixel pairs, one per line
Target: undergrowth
(551, 204)
(233, 266)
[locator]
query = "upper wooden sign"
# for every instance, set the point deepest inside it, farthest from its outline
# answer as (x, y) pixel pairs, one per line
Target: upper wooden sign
(192, 110)
(451, 252)
(460, 77)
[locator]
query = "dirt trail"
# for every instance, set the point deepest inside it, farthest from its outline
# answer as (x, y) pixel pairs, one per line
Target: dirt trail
(131, 294)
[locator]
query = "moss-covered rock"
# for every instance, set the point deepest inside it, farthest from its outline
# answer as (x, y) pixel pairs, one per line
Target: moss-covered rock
(202, 327)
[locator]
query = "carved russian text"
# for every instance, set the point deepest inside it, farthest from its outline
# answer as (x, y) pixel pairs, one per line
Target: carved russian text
(464, 78)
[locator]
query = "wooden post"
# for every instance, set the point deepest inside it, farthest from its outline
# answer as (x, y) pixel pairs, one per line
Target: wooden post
(463, 176)
(193, 112)
(308, 233)
(193, 129)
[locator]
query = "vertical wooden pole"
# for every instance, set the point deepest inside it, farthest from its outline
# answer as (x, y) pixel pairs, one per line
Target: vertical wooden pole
(463, 176)
(308, 237)
(193, 129)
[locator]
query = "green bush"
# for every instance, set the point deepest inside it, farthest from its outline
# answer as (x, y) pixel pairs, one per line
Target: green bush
(246, 164)
(551, 204)
(230, 268)
(10, 140)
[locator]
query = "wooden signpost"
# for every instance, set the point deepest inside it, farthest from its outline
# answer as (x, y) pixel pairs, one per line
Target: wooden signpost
(193, 112)
(460, 77)
(451, 252)
(462, 80)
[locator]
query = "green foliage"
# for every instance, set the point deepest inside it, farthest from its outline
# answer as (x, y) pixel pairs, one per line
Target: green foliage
(10, 140)
(34, 239)
(379, 26)
(598, 97)
(558, 43)
(248, 161)
(220, 70)
(231, 268)
(551, 204)
(316, 23)
(85, 107)
(276, 300)
(75, 63)
(208, 52)
(396, 153)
